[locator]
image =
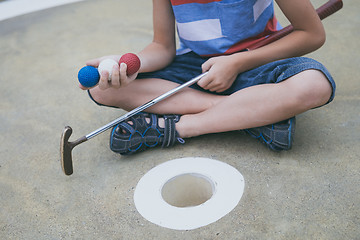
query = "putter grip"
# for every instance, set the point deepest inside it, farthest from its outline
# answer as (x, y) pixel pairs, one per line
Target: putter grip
(329, 8)
(324, 11)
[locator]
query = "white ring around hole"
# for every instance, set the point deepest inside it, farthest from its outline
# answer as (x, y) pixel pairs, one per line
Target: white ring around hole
(228, 183)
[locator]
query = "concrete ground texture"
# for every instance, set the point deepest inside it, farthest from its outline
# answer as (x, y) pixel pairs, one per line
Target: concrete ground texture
(309, 192)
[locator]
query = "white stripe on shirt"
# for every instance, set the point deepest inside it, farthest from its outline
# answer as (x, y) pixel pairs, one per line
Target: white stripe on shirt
(259, 7)
(202, 30)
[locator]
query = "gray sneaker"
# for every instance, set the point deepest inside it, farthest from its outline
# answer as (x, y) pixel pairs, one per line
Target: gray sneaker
(278, 136)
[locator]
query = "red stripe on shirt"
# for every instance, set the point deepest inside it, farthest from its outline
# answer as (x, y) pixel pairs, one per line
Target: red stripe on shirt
(269, 29)
(241, 46)
(181, 2)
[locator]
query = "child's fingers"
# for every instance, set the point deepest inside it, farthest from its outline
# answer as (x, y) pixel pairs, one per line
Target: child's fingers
(207, 65)
(104, 80)
(115, 77)
(205, 82)
(82, 87)
(93, 62)
(123, 75)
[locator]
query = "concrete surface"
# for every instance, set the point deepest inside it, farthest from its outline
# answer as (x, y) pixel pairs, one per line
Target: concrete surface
(310, 192)
(14, 8)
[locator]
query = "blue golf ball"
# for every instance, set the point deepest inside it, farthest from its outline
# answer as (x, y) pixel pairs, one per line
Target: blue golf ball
(88, 76)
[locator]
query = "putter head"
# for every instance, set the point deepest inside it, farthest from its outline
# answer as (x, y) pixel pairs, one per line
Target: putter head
(65, 151)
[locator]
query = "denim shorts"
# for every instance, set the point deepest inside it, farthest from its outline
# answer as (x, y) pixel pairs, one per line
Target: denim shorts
(187, 66)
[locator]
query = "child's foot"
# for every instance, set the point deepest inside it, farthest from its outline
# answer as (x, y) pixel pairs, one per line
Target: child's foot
(278, 136)
(142, 131)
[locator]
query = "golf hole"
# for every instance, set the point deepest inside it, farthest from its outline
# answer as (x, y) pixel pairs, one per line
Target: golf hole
(188, 193)
(187, 190)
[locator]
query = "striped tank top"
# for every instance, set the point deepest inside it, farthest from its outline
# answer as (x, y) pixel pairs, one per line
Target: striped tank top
(218, 27)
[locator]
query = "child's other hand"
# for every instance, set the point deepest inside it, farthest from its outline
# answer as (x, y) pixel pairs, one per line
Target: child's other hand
(222, 74)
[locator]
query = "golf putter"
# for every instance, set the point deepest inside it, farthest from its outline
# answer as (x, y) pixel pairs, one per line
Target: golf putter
(66, 147)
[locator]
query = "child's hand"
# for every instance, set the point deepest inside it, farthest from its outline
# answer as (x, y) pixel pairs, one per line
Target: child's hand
(222, 74)
(118, 74)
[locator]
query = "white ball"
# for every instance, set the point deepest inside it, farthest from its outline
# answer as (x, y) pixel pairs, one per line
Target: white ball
(107, 65)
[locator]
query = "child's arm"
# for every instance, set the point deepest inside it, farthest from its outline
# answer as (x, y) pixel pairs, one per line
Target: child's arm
(308, 35)
(158, 54)
(161, 51)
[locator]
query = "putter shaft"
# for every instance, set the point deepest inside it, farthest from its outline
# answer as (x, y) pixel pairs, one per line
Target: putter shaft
(145, 106)
(66, 146)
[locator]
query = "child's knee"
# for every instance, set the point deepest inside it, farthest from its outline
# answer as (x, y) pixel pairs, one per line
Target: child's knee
(98, 97)
(322, 87)
(315, 88)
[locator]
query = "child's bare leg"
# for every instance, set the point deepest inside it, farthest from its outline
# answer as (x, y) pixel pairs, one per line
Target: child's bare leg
(187, 101)
(208, 113)
(260, 105)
